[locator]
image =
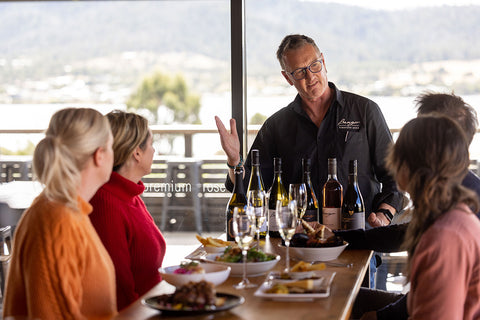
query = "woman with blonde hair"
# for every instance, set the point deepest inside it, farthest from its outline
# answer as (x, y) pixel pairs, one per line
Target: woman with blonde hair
(120, 216)
(429, 161)
(59, 267)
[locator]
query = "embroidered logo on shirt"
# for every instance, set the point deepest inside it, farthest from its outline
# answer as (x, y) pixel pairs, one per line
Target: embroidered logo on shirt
(352, 125)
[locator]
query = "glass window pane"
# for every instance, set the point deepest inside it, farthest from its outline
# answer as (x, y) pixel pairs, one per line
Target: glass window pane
(97, 53)
(387, 54)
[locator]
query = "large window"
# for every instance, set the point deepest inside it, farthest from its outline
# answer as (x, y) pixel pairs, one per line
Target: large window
(100, 53)
(388, 55)
(58, 53)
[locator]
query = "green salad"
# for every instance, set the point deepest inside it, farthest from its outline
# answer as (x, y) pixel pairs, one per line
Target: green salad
(234, 254)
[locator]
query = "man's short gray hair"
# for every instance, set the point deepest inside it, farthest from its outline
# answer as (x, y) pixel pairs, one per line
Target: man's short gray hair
(292, 42)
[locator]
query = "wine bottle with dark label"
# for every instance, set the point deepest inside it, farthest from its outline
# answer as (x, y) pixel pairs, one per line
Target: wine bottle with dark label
(311, 214)
(256, 194)
(276, 192)
(332, 198)
(353, 209)
(237, 200)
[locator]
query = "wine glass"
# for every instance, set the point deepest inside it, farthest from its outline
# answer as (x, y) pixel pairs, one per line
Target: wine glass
(298, 192)
(244, 230)
(287, 222)
(258, 204)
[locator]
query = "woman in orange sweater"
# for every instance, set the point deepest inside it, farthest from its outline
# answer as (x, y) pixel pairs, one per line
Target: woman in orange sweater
(59, 267)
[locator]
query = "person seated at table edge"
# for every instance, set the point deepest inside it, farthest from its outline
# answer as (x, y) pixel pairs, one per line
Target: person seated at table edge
(59, 268)
(390, 238)
(134, 242)
(429, 161)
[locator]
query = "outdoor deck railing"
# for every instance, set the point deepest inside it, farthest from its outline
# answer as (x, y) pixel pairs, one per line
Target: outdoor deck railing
(211, 177)
(185, 130)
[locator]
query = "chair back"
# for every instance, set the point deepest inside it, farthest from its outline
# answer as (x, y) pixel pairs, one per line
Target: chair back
(5, 255)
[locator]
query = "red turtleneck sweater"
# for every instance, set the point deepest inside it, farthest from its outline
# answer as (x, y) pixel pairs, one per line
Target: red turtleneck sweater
(130, 236)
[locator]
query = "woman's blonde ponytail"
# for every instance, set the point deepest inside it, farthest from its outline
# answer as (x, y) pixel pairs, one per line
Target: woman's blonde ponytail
(73, 135)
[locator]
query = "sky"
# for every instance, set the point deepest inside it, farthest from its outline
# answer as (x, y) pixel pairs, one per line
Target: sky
(400, 5)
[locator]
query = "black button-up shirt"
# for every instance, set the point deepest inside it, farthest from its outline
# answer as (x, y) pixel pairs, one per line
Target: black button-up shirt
(353, 128)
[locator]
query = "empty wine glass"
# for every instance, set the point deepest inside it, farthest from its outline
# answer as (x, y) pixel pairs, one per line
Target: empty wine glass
(258, 204)
(298, 192)
(287, 222)
(244, 230)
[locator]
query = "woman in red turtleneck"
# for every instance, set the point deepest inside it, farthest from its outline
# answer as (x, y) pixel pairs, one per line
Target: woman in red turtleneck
(120, 217)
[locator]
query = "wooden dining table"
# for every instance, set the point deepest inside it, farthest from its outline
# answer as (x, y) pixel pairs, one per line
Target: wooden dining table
(351, 268)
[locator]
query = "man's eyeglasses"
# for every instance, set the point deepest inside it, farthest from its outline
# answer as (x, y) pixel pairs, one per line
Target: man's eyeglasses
(301, 73)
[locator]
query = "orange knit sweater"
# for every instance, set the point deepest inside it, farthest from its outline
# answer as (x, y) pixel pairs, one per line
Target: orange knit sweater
(59, 267)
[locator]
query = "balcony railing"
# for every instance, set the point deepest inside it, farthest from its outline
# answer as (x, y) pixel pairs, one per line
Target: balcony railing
(17, 167)
(209, 181)
(185, 130)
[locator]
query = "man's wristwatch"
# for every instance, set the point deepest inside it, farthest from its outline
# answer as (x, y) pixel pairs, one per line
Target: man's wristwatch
(386, 213)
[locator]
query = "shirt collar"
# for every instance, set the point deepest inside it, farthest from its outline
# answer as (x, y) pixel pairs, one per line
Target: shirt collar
(123, 187)
(337, 97)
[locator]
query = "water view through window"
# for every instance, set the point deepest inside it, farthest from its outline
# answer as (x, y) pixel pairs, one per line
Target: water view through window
(104, 53)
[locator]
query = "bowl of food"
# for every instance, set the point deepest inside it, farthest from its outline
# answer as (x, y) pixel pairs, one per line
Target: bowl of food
(315, 243)
(258, 262)
(195, 272)
(320, 253)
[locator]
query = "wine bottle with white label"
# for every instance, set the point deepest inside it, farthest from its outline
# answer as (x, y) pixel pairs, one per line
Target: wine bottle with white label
(276, 192)
(256, 190)
(353, 209)
(332, 198)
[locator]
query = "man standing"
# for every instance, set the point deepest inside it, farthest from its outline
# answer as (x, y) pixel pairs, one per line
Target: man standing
(322, 122)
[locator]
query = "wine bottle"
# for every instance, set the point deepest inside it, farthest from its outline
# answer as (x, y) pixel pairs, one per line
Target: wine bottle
(277, 192)
(237, 200)
(332, 198)
(353, 209)
(311, 214)
(257, 190)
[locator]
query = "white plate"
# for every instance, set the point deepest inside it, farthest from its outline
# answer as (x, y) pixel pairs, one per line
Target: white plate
(296, 275)
(315, 254)
(322, 288)
(215, 274)
(253, 268)
(231, 301)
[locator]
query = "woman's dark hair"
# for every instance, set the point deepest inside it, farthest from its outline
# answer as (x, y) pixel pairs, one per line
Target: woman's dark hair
(431, 157)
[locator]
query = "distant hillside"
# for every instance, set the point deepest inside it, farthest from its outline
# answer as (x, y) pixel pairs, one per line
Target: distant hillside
(344, 32)
(355, 41)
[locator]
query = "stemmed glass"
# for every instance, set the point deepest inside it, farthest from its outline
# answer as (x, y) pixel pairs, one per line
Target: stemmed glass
(287, 222)
(244, 230)
(298, 192)
(258, 204)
